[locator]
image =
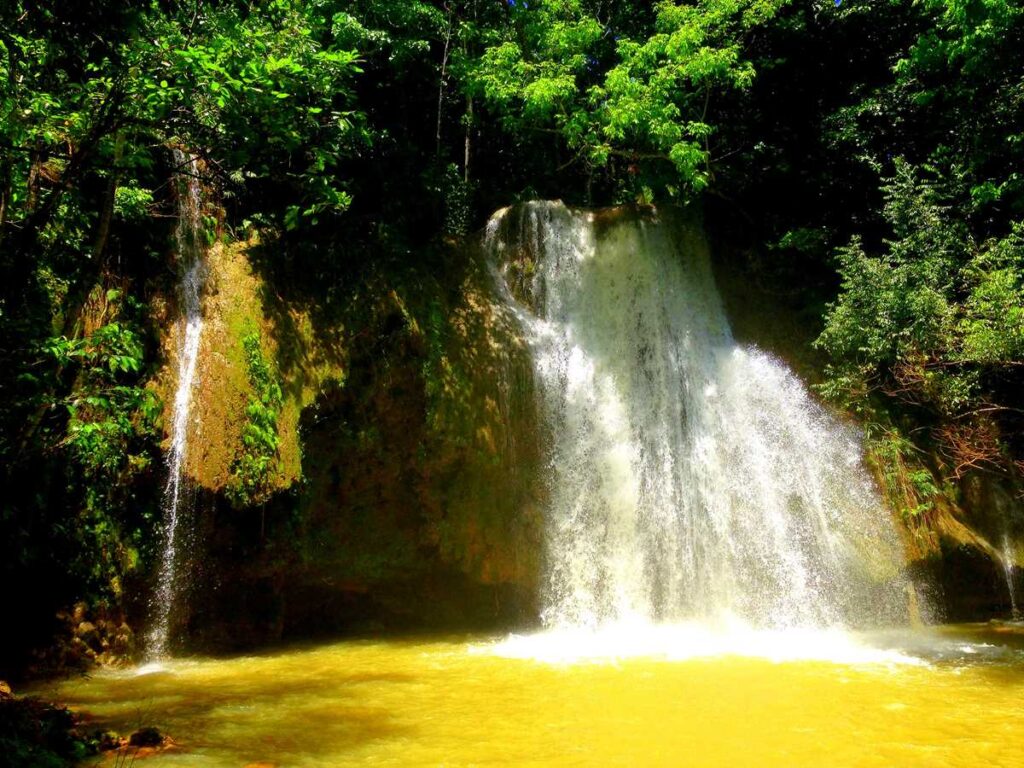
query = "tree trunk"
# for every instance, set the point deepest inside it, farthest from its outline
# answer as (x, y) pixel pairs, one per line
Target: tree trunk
(107, 211)
(440, 85)
(5, 192)
(469, 140)
(34, 172)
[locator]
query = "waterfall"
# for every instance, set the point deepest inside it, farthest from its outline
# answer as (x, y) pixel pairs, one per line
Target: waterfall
(690, 477)
(1011, 587)
(188, 235)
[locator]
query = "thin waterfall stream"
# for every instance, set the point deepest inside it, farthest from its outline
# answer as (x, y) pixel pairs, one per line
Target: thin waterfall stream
(190, 253)
(1007, 558)
(691, 477)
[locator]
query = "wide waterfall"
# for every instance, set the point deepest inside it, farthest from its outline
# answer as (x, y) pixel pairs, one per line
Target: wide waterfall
(190, 250)
(691, 477)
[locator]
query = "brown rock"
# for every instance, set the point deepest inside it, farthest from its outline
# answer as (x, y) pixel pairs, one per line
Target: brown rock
(146, 737)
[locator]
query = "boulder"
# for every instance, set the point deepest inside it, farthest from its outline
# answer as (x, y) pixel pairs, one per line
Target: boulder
(146, 737)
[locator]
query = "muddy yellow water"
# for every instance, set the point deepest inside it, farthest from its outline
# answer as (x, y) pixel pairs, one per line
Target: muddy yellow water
(952, 697)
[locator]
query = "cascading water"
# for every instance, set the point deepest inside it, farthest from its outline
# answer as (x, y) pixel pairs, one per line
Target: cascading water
(189, 248)
(1007, 557)
(691, 477)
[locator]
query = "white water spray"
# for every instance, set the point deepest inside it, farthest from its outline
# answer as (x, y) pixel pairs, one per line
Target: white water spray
(691, 477)
(188, 242)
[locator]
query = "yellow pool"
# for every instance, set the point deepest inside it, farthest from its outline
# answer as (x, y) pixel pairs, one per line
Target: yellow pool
(950, 696)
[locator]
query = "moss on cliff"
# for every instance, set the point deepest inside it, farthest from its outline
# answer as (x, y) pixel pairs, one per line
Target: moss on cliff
(405, 491)
(236, 306)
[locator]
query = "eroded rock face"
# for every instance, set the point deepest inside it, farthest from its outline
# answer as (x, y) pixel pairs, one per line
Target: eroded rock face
(421, 495)
(408, 492)
(975, 555)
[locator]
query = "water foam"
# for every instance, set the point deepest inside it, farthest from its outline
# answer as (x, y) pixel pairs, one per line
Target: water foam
(691, 641)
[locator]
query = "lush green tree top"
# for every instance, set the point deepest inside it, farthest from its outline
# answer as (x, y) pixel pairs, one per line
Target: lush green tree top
(555, 66)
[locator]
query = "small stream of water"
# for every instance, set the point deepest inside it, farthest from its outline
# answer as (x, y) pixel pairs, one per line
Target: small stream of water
(1011, 587)
(190, 251)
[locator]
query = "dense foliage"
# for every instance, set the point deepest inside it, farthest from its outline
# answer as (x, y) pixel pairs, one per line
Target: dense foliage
(40, 735)
(872, 151)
